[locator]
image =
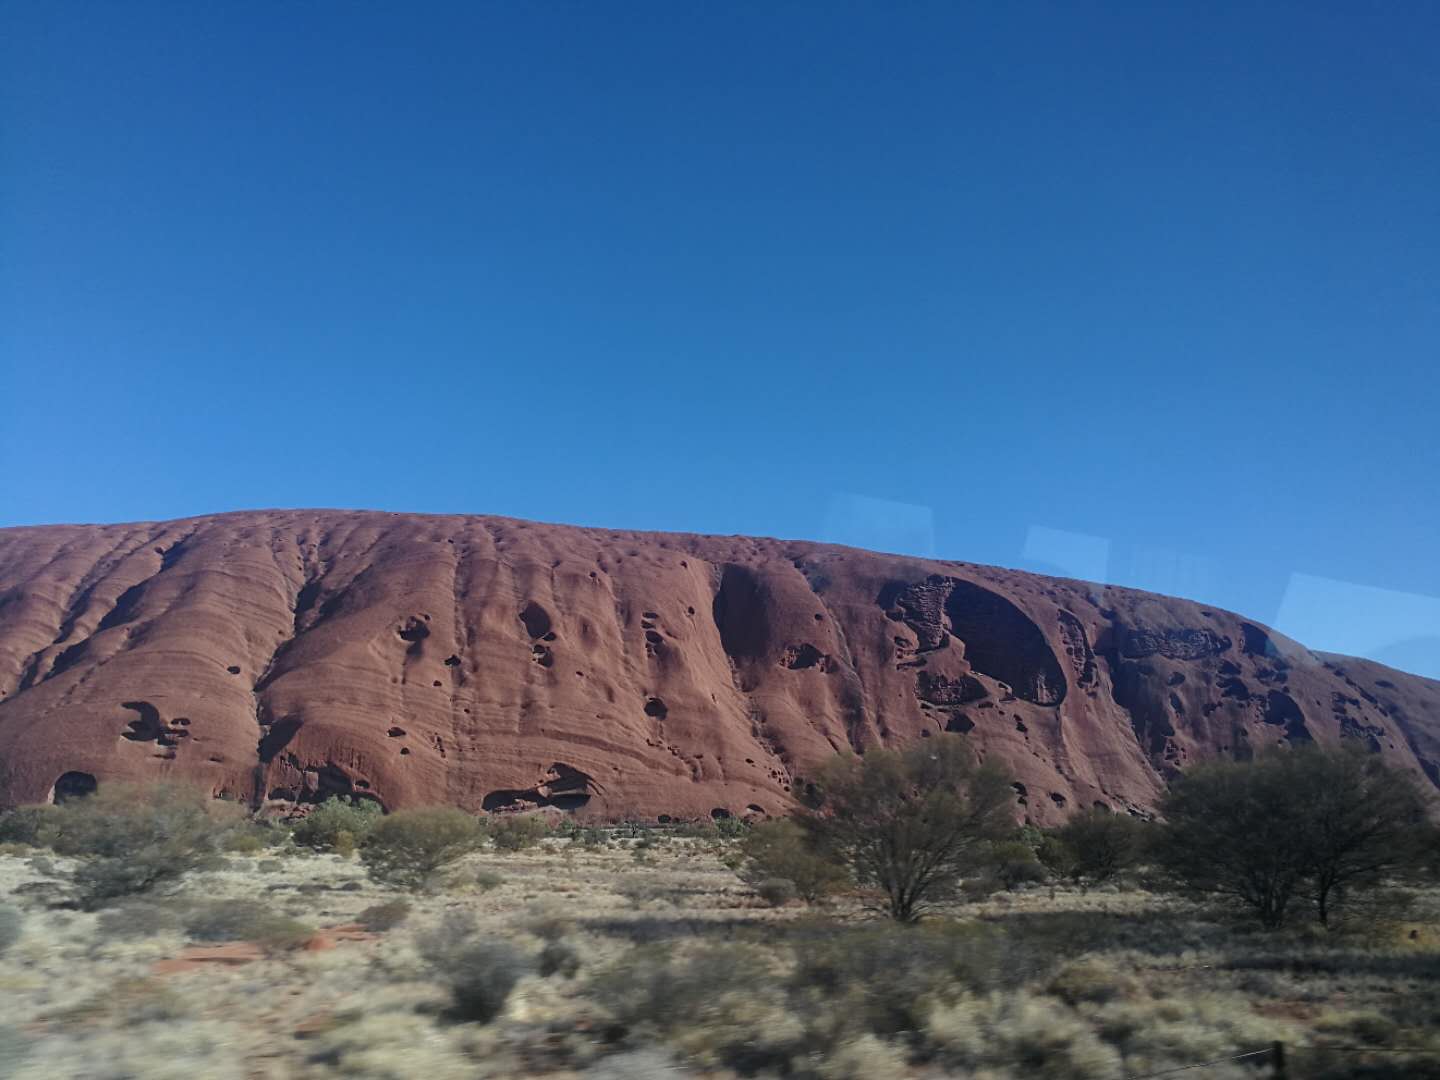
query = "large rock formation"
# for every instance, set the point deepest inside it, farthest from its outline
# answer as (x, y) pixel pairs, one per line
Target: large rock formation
(499, 664)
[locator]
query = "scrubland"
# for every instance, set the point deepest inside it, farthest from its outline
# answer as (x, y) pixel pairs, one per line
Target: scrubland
(629, 953)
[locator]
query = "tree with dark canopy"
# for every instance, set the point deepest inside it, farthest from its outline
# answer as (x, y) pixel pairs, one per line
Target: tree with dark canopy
(1308, 823)
(910, 822)
(1094, 846)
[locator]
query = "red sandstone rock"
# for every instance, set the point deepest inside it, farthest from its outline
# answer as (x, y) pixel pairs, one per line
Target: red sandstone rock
(498, 664)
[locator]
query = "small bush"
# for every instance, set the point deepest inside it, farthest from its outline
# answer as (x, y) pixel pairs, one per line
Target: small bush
(1091, 980)
(716, 1004)
(480, 973)
(137, 919)
(864, 1058)
(1013, 863)
(28, 825)
(559, 958)
(42, 865)
(777, 892)
(549, 923)
(386, 916)
(245, 920)
(1176, 1031)
(652, 986)
(641, 890)
(779, 850)
(886, 977)
(10, 923)
(517, 832)
(244, 843)
(731, 828)
(485, 880)
(1035, 1037)
(135, 839)
(1369, 1027)
(407, 849)
(132, 1000)
(337, 824)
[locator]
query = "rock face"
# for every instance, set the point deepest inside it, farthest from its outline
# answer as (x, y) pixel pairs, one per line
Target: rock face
(503, 665)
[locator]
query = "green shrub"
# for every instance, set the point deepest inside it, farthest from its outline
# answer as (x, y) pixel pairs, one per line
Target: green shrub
(517, 832)
(479, 973)
(780, 849)
(654, 987)
(1368, 1027)
(244, 920)
(1013, 863)
(135, 839)
(28, 825)
(386, 916)
(337, 824)
(864, 1058)
(137, 919)
(716, 1004)
(42, 865)
(244, 843)
(549, 923)
(10, 923)
(777, 892)
(485, 880)
(1313, 824)
(407, 848)
(731, 828)
(1094, 846)
(559, 958)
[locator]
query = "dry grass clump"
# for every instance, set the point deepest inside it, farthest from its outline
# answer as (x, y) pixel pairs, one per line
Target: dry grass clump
(1164, 1032)
(387, 1045)
(1036, 1036)
(1092, 980)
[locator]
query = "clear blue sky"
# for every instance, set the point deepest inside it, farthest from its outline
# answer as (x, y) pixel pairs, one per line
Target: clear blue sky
(1147, 292)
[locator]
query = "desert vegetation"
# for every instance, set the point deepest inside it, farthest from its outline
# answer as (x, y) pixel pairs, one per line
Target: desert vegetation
(899, 924)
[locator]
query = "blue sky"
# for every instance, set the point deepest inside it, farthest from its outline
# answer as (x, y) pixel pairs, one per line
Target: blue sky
(1144, 292)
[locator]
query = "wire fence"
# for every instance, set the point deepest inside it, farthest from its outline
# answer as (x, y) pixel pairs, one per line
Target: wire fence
(1280, 1059)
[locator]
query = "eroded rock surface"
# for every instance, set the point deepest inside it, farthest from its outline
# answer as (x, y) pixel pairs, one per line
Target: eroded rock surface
(503, 665)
